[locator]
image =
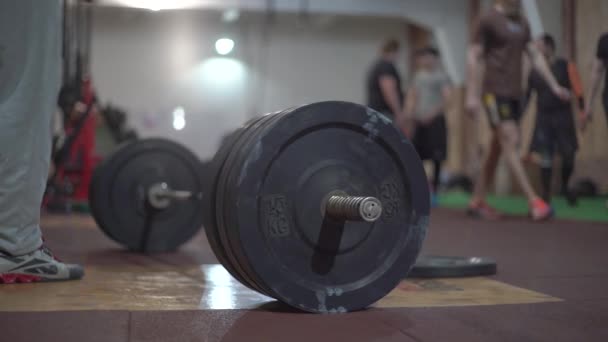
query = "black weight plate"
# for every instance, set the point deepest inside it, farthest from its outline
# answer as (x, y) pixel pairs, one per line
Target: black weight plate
(95, 183)
(224, 218)
(221, 215)
(120, 190)
(94, 186)
(274, 207)
(212, 226)
(209, 203)
(451, 267)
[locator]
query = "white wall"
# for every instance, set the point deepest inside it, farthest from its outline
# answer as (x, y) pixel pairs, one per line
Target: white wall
(151, 62)
(449, 22)
(551, 15)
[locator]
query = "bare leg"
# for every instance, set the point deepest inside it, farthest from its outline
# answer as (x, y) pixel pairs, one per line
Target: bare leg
(488, 169)
(508, 133)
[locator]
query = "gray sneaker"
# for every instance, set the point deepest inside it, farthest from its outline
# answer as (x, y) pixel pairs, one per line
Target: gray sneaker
(40, 265)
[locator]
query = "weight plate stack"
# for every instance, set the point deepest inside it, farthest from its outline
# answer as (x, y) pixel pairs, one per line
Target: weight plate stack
(269, 220)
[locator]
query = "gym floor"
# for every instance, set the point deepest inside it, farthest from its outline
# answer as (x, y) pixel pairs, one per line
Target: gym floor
(551, 286)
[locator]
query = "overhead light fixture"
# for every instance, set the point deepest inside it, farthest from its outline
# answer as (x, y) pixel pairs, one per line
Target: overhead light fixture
(224, 46)
(159, 5)
(179, 118)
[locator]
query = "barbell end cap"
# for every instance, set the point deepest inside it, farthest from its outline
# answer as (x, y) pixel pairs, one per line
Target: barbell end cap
(370, 209)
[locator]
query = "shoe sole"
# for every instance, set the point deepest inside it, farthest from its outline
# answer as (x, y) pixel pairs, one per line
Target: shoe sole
(16, 278)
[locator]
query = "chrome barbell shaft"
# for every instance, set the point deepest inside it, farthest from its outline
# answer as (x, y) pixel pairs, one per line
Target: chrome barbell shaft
(160, 195)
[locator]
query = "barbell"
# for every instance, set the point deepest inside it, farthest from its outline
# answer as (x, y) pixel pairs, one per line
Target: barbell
(323, 207)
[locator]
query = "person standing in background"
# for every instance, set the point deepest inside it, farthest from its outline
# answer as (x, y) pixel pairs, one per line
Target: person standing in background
(495, 70)
(555, 128)
(425, 105)
(384, 85)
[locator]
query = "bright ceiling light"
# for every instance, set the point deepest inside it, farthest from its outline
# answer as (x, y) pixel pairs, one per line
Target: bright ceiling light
(179, 123)
(224, 46)
(179, 118)
(158, 5)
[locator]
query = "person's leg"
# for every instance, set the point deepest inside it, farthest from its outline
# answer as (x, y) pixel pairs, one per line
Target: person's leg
(488, 169)
(542, 146)
(567, 145)
(491, 156)
(509, 141)
(546, 173)
(547, 154)
(439, 148)
(30, 41)
(567, 171)
(478, 207)
(30, 44)
(436, 175)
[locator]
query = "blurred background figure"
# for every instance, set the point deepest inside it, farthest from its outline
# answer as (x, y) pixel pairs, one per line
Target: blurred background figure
(384, 85)
(426, 102)
(555, 128)
(598, 72)
(495, 61)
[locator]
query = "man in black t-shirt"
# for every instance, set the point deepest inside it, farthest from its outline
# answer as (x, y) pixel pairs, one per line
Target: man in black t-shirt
(555, 129)
(384, 90)
(598, 72)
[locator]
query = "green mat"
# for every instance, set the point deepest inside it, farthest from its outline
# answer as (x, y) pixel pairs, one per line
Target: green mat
(588, 209)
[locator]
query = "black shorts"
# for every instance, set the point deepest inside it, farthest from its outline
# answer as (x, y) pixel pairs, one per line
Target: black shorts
(554, 132)
(430, 141)
(501, 109)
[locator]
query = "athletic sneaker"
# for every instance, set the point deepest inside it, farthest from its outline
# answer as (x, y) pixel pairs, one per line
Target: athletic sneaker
(40, 265)
(540, 210)
(482, 210)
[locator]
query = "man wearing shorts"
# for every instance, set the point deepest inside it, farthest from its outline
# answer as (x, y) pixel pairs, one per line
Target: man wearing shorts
(495, 66)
